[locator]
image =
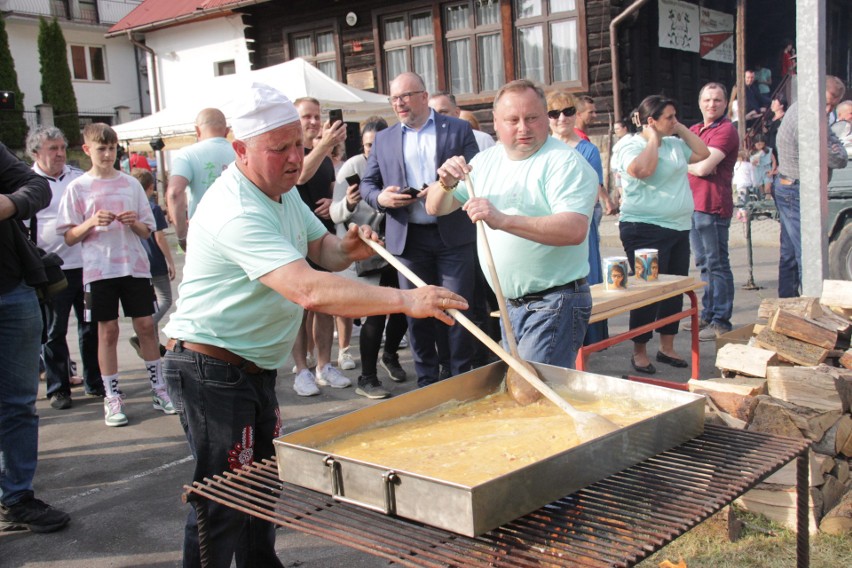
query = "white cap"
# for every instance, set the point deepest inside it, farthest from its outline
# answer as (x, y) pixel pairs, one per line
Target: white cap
(259, 109)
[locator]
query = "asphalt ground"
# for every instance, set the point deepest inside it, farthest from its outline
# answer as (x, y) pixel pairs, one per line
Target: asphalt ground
(122, 486)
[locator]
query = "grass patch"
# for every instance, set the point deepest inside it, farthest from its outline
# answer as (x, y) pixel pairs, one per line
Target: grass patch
(763, 544)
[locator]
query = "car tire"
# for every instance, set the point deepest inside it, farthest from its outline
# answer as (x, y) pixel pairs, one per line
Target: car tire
(840, 255)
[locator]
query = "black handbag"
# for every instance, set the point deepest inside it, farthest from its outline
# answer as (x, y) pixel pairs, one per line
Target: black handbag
(376, 221)
(42, 270)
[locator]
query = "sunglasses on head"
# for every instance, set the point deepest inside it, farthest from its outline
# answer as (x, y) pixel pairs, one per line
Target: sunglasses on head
(568, 112)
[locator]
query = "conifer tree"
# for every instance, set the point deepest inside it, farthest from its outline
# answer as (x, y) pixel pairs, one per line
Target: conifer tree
(56, 87)
(13, 126)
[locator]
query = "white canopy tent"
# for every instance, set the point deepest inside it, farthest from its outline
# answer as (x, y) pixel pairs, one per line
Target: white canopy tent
(295, 78)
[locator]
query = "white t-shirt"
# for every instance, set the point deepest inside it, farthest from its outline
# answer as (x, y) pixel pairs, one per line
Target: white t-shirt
(237, 235)
(743, 174)
(115, 250)
(72, 257)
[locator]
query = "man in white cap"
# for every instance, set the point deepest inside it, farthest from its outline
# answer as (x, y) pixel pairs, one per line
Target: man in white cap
(244, 288)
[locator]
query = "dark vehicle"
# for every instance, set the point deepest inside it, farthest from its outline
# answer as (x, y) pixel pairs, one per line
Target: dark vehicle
(840, 212)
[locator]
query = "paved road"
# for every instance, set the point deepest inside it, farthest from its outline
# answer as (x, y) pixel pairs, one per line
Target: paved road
(122, 486)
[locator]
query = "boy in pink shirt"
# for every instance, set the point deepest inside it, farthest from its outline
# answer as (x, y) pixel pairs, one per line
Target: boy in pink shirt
(107, 211)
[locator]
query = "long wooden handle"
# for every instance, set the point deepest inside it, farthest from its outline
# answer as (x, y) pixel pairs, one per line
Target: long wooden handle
(495, 281)
(481, 335)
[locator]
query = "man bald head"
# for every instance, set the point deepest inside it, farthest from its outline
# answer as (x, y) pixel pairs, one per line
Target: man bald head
(844, 111)
(211, 123)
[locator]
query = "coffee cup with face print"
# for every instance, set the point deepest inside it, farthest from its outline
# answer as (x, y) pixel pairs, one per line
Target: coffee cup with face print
(615, 271)
(647, 264)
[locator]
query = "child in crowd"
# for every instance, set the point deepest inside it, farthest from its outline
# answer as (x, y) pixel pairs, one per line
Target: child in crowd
(159, 255)
(107, 211)
(763, 162)
(743, 181)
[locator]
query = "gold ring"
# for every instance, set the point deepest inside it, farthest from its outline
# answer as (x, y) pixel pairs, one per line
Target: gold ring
(443, 302)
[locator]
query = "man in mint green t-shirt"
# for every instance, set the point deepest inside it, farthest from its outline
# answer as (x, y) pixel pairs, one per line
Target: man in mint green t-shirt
(535, 195)
(246, 283)
(196, 167)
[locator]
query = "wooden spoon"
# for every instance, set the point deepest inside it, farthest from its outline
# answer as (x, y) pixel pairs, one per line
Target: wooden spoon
(520, 389)
(587, 424)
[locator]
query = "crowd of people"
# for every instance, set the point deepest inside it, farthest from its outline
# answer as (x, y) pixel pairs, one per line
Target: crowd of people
(272, 226)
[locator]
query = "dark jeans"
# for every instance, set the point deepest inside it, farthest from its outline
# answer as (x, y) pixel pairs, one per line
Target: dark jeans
(709, 239)
(673, 256)
(55, 349)
(370, 339)
(453, 268)
(790, 259)
(230, 419)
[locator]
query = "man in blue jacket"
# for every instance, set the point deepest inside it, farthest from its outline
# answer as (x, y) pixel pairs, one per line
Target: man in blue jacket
(442, 251)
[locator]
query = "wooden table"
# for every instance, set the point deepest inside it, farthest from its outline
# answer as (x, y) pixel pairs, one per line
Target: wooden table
(610, 303)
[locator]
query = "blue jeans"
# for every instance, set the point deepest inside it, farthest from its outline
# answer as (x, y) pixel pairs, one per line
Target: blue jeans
(709, 240)
(673, 258)
(55, 350)
(790, 261)
(230, 419)
(20, 339)
(550, 330)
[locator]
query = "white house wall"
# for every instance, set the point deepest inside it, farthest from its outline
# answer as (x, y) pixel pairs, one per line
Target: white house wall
(120, 89)
(186, 55)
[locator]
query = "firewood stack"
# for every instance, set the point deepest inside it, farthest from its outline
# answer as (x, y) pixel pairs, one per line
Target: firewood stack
(793, 377)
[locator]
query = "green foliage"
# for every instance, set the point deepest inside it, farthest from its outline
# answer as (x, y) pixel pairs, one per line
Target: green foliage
(56, 87)
(13, 126)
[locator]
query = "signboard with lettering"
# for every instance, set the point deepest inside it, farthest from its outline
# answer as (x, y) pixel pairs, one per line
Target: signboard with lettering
(717, 36)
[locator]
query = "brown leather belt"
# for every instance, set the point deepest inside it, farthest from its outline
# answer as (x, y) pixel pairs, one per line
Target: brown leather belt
(217, 353)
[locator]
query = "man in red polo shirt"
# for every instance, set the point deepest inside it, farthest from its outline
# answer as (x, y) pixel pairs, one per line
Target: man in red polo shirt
(710, 181)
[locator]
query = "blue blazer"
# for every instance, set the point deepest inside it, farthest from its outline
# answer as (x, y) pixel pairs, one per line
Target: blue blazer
(385, 167)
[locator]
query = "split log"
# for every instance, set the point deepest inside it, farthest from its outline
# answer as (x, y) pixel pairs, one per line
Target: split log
(739, 406)
(745, 386)
(744, 359)
(791, 349)
(838, 520)
(775, 416)
(842, 312)
(780, 505)
(803, 329)
(832, 491)
(805, 307)
(804, 386)
(836, 294)
(837, 438)
(842, 325)
(787, 474)
(846, 359)
(842, 383)
(722, 418)
(841, 471)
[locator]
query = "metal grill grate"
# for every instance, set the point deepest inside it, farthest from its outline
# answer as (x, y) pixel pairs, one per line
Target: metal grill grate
(615, 522)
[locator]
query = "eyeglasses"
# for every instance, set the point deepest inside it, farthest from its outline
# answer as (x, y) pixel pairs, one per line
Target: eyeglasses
(567, 112)
(403, 97)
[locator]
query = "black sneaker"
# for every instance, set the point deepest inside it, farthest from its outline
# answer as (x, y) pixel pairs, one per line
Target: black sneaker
(61, 401)
(390, 363)
(371, 387)
(96, 394)
(34, 515)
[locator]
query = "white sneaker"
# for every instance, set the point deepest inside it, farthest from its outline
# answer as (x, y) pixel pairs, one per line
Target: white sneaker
(162, 401)
(114, 411)
(329, 376)
(310, 360)
(344, 360)
(306, 384)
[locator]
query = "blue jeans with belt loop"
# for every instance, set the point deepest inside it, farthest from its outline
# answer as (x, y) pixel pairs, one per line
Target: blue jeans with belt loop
(790, 258)
(230, 418)
(709, 240)
(550, 329)
(20, 339)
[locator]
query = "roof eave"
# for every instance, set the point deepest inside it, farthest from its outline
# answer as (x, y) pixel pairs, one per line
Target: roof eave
(184, 18)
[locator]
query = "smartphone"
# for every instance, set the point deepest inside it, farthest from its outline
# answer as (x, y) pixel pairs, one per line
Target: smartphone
(334, 115)
(410, 191)
(354, 179)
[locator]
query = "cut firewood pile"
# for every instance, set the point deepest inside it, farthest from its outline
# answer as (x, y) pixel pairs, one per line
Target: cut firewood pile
(790, 374)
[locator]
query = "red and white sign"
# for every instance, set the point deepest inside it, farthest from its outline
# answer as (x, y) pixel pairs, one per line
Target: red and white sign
(717, 36)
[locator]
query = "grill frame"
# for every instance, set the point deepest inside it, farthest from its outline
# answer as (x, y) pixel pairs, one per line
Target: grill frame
(617, 521)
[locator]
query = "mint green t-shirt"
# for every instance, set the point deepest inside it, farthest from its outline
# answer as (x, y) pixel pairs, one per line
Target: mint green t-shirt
(237, 235)
(556, 179)
(201, 164)
(663, 199)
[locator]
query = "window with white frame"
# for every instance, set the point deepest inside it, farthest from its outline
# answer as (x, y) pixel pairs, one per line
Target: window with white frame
(88, 62)
(317, 48)
(474, 46)
(408, 44)
(548, 41)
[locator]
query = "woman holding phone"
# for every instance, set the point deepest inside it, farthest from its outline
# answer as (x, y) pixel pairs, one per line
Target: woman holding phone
(347, 207)
(656, 212)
